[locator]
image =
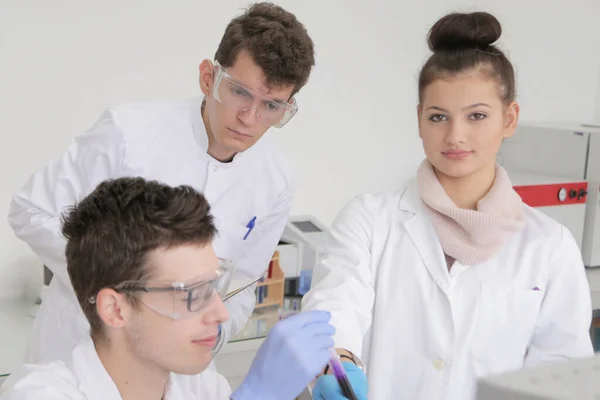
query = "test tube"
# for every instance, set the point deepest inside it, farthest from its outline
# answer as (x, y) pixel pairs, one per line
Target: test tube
(340, 375)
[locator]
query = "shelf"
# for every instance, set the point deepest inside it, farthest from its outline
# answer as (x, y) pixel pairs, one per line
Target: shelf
(273, 286)
(268, 303)
(270, 282)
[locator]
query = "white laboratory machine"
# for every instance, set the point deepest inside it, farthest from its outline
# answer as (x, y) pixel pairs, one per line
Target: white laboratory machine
(563, 380)
(312, 238)
(556, 167)
(564, 155)
(561, 199)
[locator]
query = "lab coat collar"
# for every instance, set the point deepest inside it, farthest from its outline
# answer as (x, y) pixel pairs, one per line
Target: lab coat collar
(94, 380)
(410, 199)
(424, 237)
(200, 133)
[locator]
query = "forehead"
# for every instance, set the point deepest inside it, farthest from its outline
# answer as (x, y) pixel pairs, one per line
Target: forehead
(247, 73)
(461, 90)
(183, 263)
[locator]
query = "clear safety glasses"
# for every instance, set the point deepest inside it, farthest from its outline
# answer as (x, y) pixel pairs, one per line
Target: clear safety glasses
(232, 94)
(180, 300)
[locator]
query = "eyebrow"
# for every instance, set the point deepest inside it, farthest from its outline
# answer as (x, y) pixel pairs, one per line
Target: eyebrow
(464, 108)
(275, 99)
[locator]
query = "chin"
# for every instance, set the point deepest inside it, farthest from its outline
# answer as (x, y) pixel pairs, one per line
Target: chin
(192, 368)
(237, 145)
(455, 171)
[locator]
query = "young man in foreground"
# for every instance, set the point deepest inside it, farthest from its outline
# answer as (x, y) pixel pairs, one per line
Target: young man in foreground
(140, 258)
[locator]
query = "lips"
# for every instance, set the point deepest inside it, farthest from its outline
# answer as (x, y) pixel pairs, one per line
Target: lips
(210, 341)
(456, 154)
(238, 133)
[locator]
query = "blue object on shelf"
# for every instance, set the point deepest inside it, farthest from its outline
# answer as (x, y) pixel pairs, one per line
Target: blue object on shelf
(305, 281)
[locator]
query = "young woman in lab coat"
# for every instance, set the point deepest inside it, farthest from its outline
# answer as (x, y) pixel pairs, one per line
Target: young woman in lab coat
(214, 143)
(452, 277)
(146, 276)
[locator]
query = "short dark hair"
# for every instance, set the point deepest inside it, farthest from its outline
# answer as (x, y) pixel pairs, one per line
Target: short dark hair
(277, 42)
(461, 42)
(111, 231)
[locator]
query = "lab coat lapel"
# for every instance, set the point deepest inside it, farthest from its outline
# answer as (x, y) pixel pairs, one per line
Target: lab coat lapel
(94, 380)
(423, 236)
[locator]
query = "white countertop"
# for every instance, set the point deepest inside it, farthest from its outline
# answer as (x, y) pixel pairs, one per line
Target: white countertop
(15, 327)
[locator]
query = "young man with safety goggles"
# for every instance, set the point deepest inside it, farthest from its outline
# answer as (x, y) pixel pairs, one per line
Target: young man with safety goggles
(214, 143)
(146, 276)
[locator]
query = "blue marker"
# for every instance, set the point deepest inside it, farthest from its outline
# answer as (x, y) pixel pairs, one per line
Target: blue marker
(250, 226)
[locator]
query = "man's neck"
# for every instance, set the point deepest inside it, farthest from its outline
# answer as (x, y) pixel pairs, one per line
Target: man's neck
(134, 378)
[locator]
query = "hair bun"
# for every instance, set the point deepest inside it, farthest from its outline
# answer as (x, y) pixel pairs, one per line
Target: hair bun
(460, 31)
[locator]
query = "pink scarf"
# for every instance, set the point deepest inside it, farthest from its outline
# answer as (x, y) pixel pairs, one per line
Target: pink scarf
(472, 236)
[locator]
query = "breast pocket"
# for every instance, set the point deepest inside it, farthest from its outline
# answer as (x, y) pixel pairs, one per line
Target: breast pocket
(229, 242)
(504, 324)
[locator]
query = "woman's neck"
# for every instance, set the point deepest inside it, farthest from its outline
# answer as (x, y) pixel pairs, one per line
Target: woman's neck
(466, 192)
(134, 378)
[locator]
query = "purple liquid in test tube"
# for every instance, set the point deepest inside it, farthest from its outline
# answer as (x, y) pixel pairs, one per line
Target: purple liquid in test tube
(340, 375)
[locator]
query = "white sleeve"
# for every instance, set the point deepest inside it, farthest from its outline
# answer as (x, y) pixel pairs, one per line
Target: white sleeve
(33, 382)
(342, 282)
(36, 210)
(37, 392)
(562, 329)
(254, 264)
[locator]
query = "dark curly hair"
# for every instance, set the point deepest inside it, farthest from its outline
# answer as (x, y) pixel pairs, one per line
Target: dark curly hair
(276, 41)
(112, 230)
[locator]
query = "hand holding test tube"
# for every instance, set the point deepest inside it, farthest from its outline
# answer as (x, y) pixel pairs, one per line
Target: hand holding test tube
(340, 375)
(353, 384)
(335, 364)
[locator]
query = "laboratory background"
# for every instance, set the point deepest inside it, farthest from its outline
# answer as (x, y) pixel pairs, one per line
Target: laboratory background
(63, 62)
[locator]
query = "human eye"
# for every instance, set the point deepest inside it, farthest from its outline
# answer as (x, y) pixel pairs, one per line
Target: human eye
(437, 118)
(240, 91)
(477, 116)
(272, 106)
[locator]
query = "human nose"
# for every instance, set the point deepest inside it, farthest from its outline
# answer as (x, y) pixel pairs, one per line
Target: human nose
(216, 311)
(455, 133)
(248, 115)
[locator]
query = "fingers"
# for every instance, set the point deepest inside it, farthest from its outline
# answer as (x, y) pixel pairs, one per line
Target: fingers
(327, 388)
(307, 318)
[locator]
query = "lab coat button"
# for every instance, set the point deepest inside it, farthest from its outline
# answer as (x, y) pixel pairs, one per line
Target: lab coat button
(438, 364)
(215, 168)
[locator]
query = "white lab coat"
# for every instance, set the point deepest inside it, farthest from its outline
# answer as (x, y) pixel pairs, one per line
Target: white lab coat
(83, 377)
(164, 141)
(426, 333)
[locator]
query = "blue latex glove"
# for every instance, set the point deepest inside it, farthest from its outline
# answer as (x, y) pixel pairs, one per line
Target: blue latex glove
(295, 351)
(327, 387)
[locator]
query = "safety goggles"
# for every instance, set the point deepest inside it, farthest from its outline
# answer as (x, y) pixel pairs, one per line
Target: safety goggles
(180, 300)
(232, 94)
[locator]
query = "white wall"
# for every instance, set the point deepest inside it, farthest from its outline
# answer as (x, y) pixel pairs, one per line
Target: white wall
(62, 62)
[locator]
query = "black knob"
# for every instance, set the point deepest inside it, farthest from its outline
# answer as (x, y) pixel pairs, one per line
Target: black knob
(582, 193)
(572, 193)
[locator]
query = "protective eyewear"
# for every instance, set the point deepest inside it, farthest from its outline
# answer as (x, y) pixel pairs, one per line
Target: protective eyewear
(180, 300)
(232, 94)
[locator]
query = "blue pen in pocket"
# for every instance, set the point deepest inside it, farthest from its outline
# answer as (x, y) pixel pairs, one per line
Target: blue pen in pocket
(250, 227)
